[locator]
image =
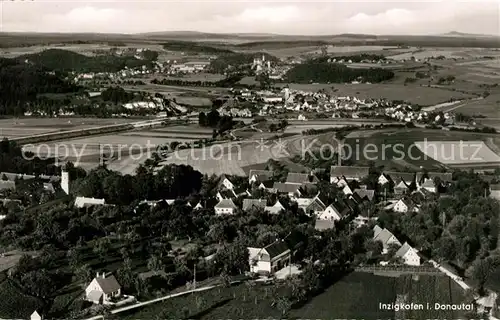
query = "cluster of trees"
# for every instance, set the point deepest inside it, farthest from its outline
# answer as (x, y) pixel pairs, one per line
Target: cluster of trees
(117, 95)
(214, 120)
(66, 61)
(170, 182)
(322, 72)
(193, 47)
(13, 159)
(21, 84)
(273, 127)
(446, 80)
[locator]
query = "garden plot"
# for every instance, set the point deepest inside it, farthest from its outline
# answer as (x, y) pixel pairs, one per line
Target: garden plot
(458, 152)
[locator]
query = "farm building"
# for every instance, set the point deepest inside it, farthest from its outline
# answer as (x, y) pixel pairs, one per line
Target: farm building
(269, 259)
(35, 316)
(102, 289)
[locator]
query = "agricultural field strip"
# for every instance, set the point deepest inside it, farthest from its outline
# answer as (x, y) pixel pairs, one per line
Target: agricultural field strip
(458, 152)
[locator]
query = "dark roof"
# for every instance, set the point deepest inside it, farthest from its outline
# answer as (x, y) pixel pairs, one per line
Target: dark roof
(268, 184)
(249, 203)
(108, 284)
(397, 177)
(225, 203)
(316, 205)
(240, 190)
(286, 187)
(293, 177)
(7, 185)
(349, 172)
(227, 194)
(261, 174)
(276, 248)
(362, 193)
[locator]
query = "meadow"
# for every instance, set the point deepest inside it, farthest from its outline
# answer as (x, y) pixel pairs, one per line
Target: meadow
(19, 127)
(397, 149)
(356, 296)
(458, 152)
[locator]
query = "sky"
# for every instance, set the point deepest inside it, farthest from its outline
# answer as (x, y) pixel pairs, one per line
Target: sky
(279, 17)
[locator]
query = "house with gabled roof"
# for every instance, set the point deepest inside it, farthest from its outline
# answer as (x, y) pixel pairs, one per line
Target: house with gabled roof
(226, 182)
(402, 206)
(341, 182)
(301, 178)
(408, 254)
(348, 172)
(291, 189)
(364, 194)
(257, 176)
(225, 206)
(316, 206)
(102, 289)
(335, 211)
(253, 203)
(269, 259)
(386, 237)
(401, 188)
(275, 208)
(36, 316)
(428, 185)
(397, 177)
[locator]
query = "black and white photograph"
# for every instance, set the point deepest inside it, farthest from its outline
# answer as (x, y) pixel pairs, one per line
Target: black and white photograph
(247, 160)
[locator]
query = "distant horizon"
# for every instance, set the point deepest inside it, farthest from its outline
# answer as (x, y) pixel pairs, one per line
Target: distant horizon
(278, 17)
(258, 34)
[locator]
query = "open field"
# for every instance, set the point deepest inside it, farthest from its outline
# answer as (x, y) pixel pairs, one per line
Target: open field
(488, 107)
(231, 158)
(423, 96)
(194, 101)
(20, 127)
(458, 152)
(209, 77)
(398, 149)
(356, 296)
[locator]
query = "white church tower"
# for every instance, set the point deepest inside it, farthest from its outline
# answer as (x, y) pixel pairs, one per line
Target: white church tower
(65, 181)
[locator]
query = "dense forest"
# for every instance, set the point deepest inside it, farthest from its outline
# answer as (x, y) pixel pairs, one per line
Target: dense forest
(334, 73)
(65, 61)
(21, 83)
(194, 47)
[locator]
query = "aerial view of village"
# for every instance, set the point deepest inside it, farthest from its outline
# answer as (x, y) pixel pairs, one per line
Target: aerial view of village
(283, 161)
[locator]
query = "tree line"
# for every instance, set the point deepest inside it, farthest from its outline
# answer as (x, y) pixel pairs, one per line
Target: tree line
(321, 72)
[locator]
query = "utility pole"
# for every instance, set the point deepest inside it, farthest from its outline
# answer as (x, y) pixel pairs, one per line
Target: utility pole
(194, 276)
(290, 265)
